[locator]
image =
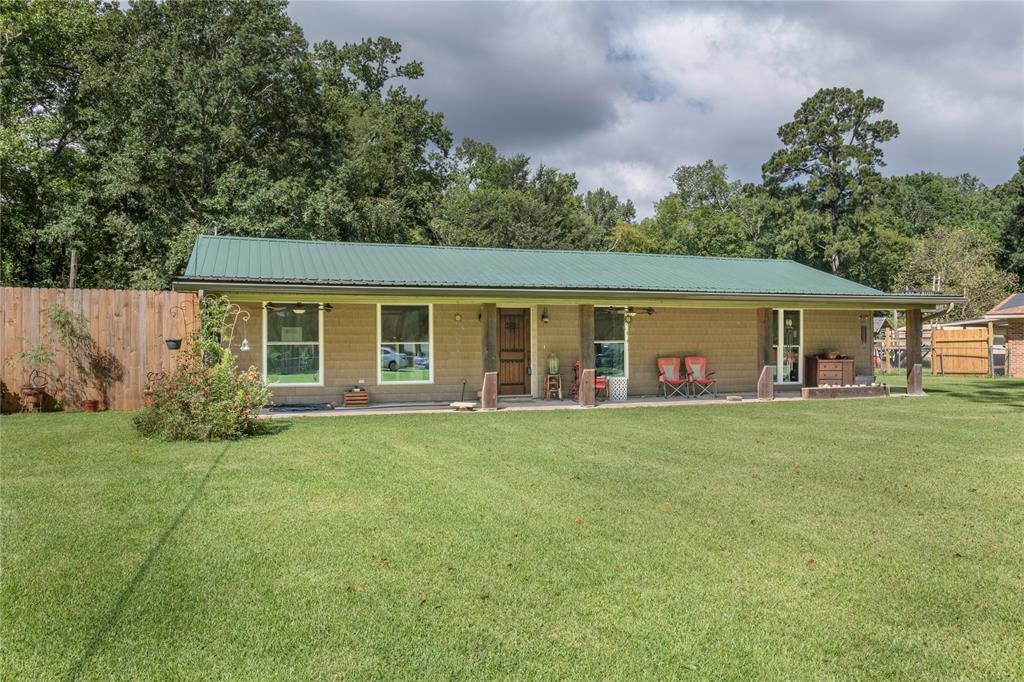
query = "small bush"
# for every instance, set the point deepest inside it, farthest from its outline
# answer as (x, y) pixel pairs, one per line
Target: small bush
(206, 397)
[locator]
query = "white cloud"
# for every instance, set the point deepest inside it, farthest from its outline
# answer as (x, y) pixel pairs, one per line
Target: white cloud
(623, 94)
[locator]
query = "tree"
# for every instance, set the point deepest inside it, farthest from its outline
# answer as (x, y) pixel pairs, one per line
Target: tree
(189, 117)
(1011, 194)
(41, 69)
(707, 215)
(831, 154)
(498, 201)
(706, 185)
(963, 260)
(605, 211)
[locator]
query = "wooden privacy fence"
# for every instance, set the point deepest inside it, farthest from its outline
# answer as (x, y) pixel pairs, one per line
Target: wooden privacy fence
(128, 326)
(960, 351)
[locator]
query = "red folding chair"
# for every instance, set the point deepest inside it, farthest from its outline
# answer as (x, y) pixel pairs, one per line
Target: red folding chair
(699, 377)
(600, 383)
(671, 378)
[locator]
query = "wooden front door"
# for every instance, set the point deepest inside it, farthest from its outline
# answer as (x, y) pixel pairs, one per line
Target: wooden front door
(513, 351)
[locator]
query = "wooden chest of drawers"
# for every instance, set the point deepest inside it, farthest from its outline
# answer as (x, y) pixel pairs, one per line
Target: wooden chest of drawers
(819, 372)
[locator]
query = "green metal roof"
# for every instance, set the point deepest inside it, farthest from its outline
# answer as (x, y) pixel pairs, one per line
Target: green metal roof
(286, 261)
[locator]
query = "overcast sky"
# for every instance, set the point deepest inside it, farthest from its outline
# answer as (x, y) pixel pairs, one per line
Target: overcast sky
(623, 93)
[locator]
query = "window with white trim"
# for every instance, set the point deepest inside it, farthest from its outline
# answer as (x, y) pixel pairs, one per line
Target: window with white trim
(291, 345)
(609, 343)
(787, 346)
(404, 344)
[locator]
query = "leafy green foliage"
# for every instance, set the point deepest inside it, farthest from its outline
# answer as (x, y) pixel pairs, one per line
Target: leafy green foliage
(128, 130)
(179, 118)
(707, 215)
(500, 201)
(206, 397)
(831, 154)
(963, 260)
(1012, 239)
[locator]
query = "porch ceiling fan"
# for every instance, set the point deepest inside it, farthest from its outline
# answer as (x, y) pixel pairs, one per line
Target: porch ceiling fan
(630, 310)
(297, 308)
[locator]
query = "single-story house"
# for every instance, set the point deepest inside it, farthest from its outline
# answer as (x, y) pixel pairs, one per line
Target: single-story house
(418, 323)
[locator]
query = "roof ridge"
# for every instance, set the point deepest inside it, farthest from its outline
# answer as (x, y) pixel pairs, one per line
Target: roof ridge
(499, 249)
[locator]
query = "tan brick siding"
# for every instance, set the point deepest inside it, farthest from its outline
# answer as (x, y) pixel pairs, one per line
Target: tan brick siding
(351, 353)
(1015, 347)
(839, 330)
(561, 336)
(727, 337)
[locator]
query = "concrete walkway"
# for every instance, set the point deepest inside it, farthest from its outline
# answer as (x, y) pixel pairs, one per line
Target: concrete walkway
(521, 405)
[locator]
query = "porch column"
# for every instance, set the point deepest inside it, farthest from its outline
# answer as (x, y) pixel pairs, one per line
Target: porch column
(586, 396)
(586, 350)
(765, 383)
(914, 329)
(489, 347)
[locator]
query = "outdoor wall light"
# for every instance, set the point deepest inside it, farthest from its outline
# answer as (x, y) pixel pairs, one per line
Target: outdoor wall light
(544, 317)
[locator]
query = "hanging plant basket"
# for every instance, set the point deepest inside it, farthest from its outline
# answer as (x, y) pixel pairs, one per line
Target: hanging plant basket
(91, 405)
(173, 344)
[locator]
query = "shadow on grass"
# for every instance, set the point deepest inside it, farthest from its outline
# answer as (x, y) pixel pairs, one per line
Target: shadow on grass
(1006, 392)
(271, 427)
(140, 573)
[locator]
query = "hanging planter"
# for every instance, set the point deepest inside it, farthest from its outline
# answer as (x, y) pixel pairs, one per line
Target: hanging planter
(91, 405)
(173, 344)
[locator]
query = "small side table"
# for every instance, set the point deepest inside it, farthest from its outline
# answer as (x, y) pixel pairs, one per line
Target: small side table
(552, 386)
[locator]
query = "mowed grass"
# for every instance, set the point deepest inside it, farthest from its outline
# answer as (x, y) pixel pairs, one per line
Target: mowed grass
(834, 540)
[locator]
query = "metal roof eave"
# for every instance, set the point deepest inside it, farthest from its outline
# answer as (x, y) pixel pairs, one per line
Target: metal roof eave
(881, 301)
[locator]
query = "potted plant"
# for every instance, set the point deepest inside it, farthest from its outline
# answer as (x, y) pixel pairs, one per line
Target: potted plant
(90, 371)
(172, 344)
(33, 362)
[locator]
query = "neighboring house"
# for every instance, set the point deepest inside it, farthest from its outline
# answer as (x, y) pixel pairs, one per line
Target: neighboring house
(1007, 319)
(881, 324)
(413, 323)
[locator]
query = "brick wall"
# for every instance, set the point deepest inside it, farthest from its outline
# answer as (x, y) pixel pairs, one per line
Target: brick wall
(351, 353)
(840, 330)
(1015, 346)
(728, 337)
(561, 336)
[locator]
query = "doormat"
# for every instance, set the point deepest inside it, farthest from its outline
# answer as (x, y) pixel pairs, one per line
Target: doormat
(318, 407)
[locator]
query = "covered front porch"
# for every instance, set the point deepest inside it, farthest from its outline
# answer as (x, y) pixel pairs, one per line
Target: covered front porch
(424, 354)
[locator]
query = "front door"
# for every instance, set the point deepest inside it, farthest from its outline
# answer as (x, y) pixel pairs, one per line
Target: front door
(513, 351)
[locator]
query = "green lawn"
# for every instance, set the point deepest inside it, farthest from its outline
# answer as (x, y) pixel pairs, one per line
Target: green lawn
(834, 540)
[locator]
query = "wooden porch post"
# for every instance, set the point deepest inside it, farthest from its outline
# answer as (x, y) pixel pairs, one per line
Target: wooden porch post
(489, 354)
(489, 318)
(586, 349)
(914, 330)
(587, 396)
(765, 383)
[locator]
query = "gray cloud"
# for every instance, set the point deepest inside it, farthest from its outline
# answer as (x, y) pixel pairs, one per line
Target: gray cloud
(624, 93)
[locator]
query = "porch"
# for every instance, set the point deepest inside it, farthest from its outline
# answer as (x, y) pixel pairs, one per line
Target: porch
(423, 354)
(529, 404)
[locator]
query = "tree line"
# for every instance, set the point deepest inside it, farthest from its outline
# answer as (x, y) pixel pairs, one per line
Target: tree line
(128, 131)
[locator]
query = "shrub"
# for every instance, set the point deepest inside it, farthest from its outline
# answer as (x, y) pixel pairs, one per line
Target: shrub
(206, 397)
